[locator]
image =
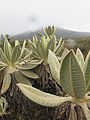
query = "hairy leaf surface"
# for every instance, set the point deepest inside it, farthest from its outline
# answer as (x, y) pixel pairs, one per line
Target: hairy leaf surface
(54, 66)
(22, 79)
(42, 98)
(71, 76)
(80, 58)
(30, 74)
(87, 71)
(6, 83)
(7, 50)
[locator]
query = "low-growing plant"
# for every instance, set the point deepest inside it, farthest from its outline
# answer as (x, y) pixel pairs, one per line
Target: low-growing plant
(74, 78)
(15, 61)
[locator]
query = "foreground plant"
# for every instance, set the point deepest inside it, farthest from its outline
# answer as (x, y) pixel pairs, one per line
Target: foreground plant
(15, 62)
(74, 78)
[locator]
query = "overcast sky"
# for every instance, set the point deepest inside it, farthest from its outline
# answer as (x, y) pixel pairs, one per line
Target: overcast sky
(17, 16)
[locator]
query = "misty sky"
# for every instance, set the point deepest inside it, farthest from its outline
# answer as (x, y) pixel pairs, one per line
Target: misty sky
(17, 16)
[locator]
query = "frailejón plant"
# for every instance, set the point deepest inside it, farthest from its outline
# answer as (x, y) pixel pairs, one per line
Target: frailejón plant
(74, 78)
(16, 62)
(41, 47)
(49, 31)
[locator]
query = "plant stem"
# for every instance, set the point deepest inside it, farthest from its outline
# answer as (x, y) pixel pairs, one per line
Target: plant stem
(86, 110)
(73, 115)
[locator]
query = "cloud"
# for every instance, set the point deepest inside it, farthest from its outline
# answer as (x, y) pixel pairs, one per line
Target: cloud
(21, 15)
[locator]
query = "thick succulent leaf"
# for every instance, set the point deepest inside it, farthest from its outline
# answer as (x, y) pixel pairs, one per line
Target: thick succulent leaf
(80, 58)
(54, 66)
(42, 98)
(87, 71)
(3, 105)
(7, 50)
(71, 76)
(6, 83)
(41, 50)
(16, 54)
(21, 78)
(29, 74)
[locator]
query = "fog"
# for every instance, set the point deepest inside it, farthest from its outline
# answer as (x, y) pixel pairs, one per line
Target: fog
(17, 16)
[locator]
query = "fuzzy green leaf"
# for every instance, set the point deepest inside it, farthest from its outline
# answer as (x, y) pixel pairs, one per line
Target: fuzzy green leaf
(87, 71)
(42, 98)
(60, 49)
(41, 50)
(16, 54)
(32, 46)
(35, 40)
(30, 74)
(30, 65)
(7, 50)
(2, 57)
(23, 47)
(51, 45)
(71, 76)
(6, 83)
(17, 42)
(80, 58)
(54, 66)
(21, 78)
(65, 52)
(58, 45)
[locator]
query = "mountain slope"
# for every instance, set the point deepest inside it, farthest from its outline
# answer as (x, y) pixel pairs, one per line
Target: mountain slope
(60, 32)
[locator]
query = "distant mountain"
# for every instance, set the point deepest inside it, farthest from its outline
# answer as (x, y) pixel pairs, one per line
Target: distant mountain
(60, 32)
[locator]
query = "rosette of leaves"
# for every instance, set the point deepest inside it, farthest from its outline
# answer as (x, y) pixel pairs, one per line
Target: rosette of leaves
(40, 48)
(49, 31)
(74, 78)
(15, 62)
(3, 106)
